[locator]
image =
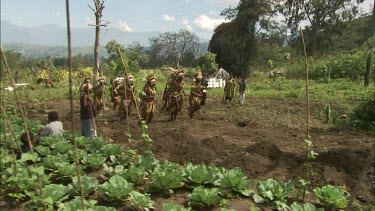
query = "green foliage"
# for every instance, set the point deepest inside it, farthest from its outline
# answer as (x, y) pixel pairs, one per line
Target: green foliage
(204, 197)
(275, 190)
(199, 174)
(141, 201)
(94, 161)
(116, 189)
(66, 169)
(165, 177)
(111, 149)
(76, 205)
(233, 181)
(174, 207)
(364, 115)
(95, 145)
(55, 193)
(207, 63)
(89, 185)
(304, 207)
(332, 196)
(50, 161)
(148, 162)
(134, 174)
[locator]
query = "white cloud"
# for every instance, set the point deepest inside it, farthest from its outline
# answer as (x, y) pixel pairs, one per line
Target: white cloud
(56, 13)
(185, 23)
(169, 18)
(123, 26)
(206, 23)
(89, 21)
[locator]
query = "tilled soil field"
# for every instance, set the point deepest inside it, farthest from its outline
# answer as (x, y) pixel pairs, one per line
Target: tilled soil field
(264, 137)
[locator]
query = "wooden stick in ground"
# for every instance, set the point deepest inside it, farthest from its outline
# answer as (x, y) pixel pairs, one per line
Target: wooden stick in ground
(23, 118)
(11, 144)
(126, 72)
(307, 88)
(72, 104)
(308, 107)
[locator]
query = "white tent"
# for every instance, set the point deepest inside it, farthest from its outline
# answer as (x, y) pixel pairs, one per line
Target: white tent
(217, 79)
(220, 74)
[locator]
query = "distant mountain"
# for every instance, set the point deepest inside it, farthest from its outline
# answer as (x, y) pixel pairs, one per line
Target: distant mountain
(43, 51)
(52, 35)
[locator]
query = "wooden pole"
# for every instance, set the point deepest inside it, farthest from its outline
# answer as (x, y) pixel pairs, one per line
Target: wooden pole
(72, 104)
(307, 88)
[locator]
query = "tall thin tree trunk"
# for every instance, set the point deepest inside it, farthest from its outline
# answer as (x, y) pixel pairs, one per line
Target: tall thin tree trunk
(369, 66)
(96, 46)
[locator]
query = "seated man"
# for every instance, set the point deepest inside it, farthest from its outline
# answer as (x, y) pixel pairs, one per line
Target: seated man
(26, 147)
(54, 127)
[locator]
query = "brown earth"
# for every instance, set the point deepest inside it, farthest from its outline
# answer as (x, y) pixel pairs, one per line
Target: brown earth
(265, 137)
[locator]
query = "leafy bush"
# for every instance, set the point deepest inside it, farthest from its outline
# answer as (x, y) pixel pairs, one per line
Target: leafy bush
(332, 196)
(364, 115)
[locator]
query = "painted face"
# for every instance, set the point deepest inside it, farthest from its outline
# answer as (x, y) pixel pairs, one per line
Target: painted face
(153, 82)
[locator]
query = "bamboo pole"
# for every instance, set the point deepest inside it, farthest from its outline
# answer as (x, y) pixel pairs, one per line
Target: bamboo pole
(308, 111)
(71, 102)
(307, 88)
(23, 117)
(6, 122)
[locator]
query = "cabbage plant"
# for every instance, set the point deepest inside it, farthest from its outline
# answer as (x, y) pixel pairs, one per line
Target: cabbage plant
(332, 196)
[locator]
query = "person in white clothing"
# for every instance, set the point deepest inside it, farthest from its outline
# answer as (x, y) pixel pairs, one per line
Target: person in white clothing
(54, 126)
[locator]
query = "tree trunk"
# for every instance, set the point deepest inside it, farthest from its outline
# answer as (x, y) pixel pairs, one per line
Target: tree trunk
(368, 67)
(96, 46)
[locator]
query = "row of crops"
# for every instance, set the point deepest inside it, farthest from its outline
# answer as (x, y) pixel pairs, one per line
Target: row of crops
(121, 177)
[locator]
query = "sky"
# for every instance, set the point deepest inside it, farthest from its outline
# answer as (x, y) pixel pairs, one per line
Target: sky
(198, 16)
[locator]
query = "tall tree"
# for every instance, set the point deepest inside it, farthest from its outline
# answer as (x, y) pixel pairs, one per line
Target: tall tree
(98, 11)
(238, 37)
(176, 44)
(371, 51)
(324, 17)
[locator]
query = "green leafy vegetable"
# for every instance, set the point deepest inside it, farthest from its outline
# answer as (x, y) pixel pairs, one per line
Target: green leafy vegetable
(199, 174)
(174, 207)
(94, 160)
(332, 196)
(134, 174)
(165, 177)
(204, 197)
(305, 207)
(141, 201)
(55, 193)
(234, 180)
(274, 190)
(117, 188)
(89, 185)
(111, 149)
